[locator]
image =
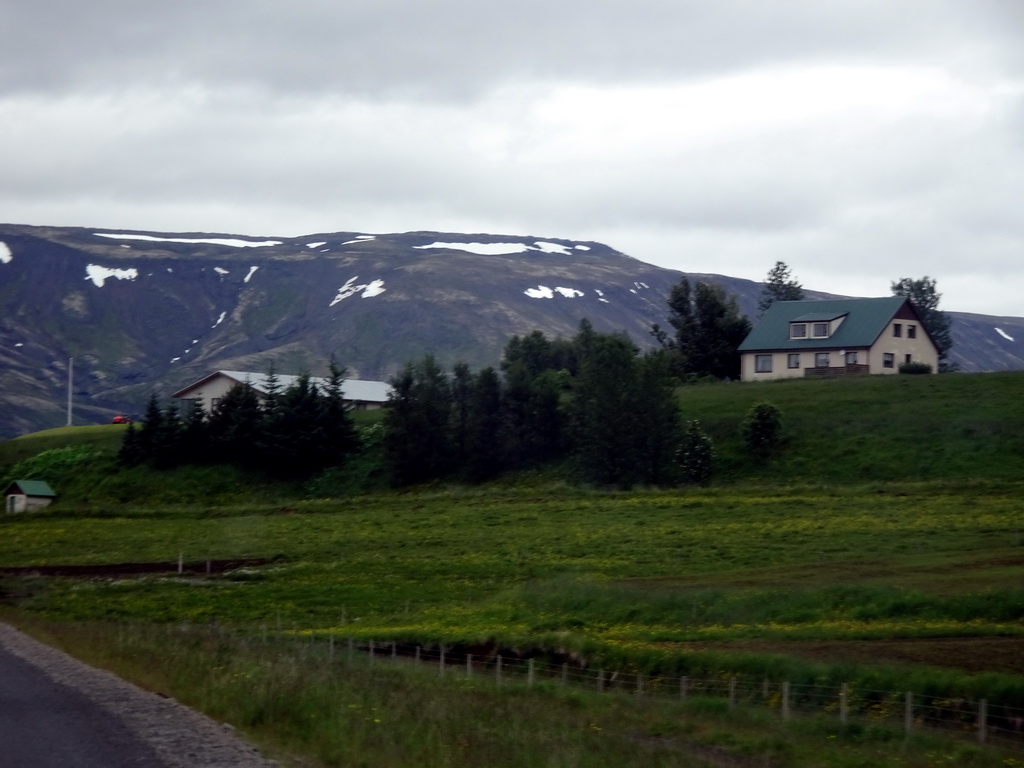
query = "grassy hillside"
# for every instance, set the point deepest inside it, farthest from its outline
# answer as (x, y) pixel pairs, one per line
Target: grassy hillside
(883, 547)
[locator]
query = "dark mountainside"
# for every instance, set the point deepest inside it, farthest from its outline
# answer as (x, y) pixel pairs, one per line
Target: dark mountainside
(140, 312)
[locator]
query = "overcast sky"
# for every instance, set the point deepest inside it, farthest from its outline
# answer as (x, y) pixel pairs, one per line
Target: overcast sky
(859, 141)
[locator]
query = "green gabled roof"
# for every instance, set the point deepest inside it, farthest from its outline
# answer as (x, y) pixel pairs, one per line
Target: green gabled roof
(31, 488)
(865, 320)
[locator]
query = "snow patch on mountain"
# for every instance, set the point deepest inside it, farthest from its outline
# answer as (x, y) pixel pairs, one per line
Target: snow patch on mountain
(350, 288)
(500, 249)
(543, 292)
(1004, 334)
(248, 277)
(5, 253)
(233, 242)
(99, 275)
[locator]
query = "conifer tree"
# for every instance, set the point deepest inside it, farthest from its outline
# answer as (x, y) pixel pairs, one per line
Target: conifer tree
(483, 447)
(780, 285)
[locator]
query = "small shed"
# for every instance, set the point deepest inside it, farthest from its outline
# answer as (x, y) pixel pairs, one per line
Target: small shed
(28, 496)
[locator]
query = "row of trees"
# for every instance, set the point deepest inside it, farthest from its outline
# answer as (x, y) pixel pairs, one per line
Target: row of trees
(295, 431)
(595, 398)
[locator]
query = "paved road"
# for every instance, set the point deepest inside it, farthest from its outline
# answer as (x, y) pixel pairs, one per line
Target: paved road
(44, 724)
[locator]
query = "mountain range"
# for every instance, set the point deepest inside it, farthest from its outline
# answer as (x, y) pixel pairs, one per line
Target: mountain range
(133, 312)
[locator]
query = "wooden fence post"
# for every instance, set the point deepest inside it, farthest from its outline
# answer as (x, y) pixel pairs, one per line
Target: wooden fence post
(529, 674)
(497, 670)
(785, 701)
(442, 661)
(600, 679)
(908, 712)
(469, 665)
(732, 693)
(351, 649)
(684, 683)
(565, 674)
(844, 703)
(181, 562)
(417, 654)
(982, 721)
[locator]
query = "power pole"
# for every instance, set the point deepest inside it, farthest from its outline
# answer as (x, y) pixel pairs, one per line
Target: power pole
(71, 378)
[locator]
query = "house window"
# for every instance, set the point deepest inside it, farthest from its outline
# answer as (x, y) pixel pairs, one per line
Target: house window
(897, 329)
(819, 330)
(851, 358)
(907, 359)
(798, 330)
(762, 363)
(214, 402)
(793, 360)
(911, 331)
(888, 360)
(821, 360)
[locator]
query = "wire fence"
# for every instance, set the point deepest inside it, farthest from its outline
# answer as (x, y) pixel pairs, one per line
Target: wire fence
(978, 720)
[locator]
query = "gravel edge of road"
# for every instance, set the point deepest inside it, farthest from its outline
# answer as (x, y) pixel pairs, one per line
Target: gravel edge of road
(180, 736)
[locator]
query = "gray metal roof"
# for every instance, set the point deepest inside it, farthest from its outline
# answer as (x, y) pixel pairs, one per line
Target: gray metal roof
(353, 390)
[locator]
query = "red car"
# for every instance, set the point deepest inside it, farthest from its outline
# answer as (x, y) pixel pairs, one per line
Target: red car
(122, 420)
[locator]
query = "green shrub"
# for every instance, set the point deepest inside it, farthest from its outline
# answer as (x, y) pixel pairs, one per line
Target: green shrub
(915, 368)
(762, 429)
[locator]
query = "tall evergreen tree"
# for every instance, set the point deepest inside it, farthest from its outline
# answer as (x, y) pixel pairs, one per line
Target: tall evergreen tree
(605, 434)
(925, 298)
(151, 425)
(235, 426)
(340, 434)
(417, 425)
(483, 446)
(718, 329)
(780, 285)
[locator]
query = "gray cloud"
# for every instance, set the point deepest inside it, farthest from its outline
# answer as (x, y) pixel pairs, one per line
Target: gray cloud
(857, 141)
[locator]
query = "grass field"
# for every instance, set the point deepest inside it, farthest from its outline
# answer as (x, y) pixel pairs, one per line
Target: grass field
(883, 548)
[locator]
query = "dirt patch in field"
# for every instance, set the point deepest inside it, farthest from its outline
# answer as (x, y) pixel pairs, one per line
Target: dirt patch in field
(968, 654)
(112, 570)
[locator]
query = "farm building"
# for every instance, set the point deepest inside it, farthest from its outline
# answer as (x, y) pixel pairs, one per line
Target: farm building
(840, 337)
(28, 496)
(362, 395)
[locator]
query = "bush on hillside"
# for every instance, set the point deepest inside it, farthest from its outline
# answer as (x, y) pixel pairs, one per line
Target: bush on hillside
(762, 429)
(915, 368)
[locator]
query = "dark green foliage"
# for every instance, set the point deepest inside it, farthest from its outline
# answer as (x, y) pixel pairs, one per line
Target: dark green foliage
(696, 455)
(762, 429)
(625, 419)
(146, 437)
(925, 298)
(235, 426)
(779, 286)
(708, 331)
(483, 432)
(418, 438)
(130, 452)
(915, 368)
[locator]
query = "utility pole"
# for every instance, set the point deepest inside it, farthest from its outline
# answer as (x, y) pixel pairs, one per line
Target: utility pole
(71, 378)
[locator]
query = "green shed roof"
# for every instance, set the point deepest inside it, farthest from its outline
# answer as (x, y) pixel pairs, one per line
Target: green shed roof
(30, 488)
(864, 322)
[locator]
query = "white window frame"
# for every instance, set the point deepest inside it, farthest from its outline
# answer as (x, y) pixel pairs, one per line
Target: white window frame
(762, 363)
(793, 327)
(793, 360)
